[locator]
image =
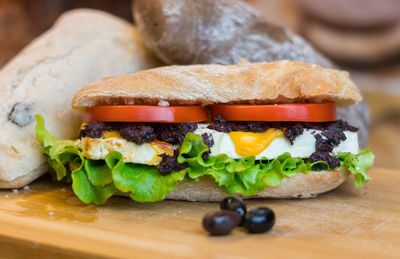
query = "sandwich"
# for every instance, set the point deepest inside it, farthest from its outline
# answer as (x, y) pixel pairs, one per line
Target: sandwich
(200, 132)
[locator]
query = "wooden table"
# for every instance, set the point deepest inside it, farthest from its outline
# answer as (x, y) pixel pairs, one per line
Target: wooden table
(49, 221)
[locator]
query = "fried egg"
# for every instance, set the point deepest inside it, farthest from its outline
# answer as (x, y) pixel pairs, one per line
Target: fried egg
(273, 144)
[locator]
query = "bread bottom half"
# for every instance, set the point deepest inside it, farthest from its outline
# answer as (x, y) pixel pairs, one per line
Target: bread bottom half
(299, 186)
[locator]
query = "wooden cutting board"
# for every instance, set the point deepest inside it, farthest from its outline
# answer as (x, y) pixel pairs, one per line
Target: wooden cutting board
(49, 221)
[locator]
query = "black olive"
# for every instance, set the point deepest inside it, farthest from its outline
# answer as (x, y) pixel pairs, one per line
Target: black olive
(259, 220)
(234, 204)
(221, 222)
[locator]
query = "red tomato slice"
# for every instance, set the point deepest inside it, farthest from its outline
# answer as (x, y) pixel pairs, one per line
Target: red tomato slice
(312, 112)
(146, 113)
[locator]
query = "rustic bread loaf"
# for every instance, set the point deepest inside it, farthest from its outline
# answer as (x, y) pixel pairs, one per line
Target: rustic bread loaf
(82, 46)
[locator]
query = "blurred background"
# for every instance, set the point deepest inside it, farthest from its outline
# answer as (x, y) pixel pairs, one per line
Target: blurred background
(362, 36)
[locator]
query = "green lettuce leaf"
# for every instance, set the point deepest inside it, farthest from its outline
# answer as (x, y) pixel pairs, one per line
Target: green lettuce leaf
(94, 181)
(143, 182)
(358, 165)
(84, 189)
(246, 175)
(59, 152)
(249, 176)
(98, 173)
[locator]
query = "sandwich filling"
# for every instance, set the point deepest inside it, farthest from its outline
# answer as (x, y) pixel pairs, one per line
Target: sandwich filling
(148, 159)
(144, 143)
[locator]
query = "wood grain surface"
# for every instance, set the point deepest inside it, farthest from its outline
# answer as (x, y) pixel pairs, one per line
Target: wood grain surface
(49, 221)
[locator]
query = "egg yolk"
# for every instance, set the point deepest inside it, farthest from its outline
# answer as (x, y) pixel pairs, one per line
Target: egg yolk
(111, 134)
(252, 144)
(160, 147)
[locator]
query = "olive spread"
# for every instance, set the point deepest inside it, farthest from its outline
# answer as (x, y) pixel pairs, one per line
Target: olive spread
(140, 133)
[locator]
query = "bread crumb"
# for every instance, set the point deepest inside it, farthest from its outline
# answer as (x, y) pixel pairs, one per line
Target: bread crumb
(15, 190)
(6, 195)
(162, 103)
(51, 213)
(27, 187)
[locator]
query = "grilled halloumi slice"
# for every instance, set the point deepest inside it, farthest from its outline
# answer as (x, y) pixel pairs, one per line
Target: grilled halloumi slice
(147, 153)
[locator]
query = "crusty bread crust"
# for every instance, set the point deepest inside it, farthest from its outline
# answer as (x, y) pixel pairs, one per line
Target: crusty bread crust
(299, 186)
(280, 81)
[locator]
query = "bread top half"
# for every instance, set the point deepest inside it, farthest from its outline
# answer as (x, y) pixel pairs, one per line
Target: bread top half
(245, 83)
